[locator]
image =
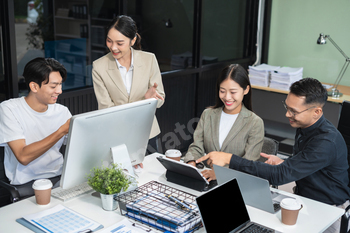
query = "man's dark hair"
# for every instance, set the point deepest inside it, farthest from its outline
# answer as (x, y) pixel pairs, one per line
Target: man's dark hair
(312, 89)
(38, 70)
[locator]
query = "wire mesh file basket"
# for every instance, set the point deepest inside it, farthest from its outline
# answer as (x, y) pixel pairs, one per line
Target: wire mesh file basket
(161, 207)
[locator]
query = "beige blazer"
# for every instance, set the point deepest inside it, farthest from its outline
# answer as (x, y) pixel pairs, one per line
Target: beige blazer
(110, 89)
(245, 138)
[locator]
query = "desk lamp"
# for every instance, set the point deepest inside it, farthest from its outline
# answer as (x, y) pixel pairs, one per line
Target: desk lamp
(322, 39)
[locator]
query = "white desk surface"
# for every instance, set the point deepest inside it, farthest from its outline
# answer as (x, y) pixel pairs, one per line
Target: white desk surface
(313, 217)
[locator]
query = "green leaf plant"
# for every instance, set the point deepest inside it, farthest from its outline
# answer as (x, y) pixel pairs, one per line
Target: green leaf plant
(109, 180)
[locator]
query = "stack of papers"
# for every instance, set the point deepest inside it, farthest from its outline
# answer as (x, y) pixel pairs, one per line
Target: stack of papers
(260, 75)
(283, 77)
(181, 61)
(157, 210)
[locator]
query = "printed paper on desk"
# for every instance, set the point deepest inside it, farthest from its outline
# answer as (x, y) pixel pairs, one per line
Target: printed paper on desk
(61, 219)
(125, 226)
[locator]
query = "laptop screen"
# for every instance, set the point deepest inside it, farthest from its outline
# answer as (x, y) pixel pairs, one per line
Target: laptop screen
(222, 209)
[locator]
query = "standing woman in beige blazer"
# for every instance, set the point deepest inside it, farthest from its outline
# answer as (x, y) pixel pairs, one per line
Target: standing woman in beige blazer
(230, 125)
(127, 74)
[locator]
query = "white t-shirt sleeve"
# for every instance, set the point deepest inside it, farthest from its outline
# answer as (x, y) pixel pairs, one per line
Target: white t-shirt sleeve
(10, 127)
(68, 116)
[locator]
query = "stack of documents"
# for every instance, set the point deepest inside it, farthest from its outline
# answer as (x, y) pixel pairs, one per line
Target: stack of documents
(260, 75)
(181, 61)
(165, 212)
(283, 77)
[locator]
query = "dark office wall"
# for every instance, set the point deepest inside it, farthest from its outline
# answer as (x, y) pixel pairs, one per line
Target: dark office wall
(166, 41)
(223, 29)
(177, 116)
(79, 101)
(206, 88)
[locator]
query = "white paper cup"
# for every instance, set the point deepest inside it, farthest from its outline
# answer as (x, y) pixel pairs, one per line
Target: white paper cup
(290, 210)
(173, 154)
(42, 190)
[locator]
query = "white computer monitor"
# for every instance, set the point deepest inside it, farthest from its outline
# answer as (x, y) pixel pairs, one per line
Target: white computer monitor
(93, 136)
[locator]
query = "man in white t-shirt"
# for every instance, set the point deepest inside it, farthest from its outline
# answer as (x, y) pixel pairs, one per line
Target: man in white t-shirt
(33, 128)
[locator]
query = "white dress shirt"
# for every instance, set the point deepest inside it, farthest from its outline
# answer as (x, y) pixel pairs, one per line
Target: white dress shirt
(127, 74)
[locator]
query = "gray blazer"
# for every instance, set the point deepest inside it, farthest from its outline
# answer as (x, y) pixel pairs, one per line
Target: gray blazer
(109, 86)
(245, 139)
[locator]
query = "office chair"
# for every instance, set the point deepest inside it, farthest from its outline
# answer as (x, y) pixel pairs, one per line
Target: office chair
(13, 190)
(344, 129)
(4, 182)
(270, 147)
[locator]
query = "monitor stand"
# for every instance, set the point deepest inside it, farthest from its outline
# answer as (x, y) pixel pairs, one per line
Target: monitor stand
(120, 155)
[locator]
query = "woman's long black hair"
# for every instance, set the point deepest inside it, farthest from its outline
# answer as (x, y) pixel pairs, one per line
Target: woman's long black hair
(238, 74)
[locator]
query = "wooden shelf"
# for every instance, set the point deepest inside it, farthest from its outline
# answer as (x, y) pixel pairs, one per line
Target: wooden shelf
(101, 19)
(70, 18)
(68, 35)
(343, 89)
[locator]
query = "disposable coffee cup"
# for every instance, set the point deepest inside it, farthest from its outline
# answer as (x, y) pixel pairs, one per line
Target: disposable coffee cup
(173, 154)
(42, 190)
(290, 210)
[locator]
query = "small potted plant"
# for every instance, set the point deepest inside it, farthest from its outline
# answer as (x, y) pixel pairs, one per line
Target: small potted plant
(109, 182)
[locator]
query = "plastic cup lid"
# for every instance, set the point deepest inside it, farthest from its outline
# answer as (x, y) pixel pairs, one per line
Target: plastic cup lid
(173, 153)
(42, 184)
(290, 204)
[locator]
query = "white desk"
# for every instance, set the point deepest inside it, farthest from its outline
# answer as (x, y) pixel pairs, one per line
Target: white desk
(314, 217)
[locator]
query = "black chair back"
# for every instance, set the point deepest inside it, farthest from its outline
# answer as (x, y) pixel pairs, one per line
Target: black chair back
(270, 147)
(4, 194)
(344, 128)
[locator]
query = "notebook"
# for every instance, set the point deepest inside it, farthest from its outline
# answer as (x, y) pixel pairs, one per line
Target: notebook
(222, 209)
(255, 190)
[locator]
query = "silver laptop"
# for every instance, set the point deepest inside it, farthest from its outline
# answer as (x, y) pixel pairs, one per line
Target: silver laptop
(255, 190)
(222, 209)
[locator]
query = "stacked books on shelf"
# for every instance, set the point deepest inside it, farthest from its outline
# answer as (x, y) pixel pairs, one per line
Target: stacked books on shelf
(161, 207)
(260, 75)
(84, 30)
(80, 11)
(283, 77)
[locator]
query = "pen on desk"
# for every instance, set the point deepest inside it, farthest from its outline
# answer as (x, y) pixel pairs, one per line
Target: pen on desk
(182, 204)
(85, 231)
(134, 224)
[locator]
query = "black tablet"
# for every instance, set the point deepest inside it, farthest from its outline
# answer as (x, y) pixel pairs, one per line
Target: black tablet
(182, 168)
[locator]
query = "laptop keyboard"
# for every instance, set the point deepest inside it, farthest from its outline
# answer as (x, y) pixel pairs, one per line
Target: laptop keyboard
(211, 184)
(256, 229)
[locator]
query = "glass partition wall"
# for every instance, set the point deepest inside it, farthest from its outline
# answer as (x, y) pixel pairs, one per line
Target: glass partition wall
(192, 39)
(183, 34)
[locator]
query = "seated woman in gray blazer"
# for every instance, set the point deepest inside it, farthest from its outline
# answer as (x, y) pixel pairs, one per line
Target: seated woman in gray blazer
(127, 74)
(230, 125)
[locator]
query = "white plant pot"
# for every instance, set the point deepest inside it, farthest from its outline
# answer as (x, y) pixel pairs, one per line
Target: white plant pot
(108, 202)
